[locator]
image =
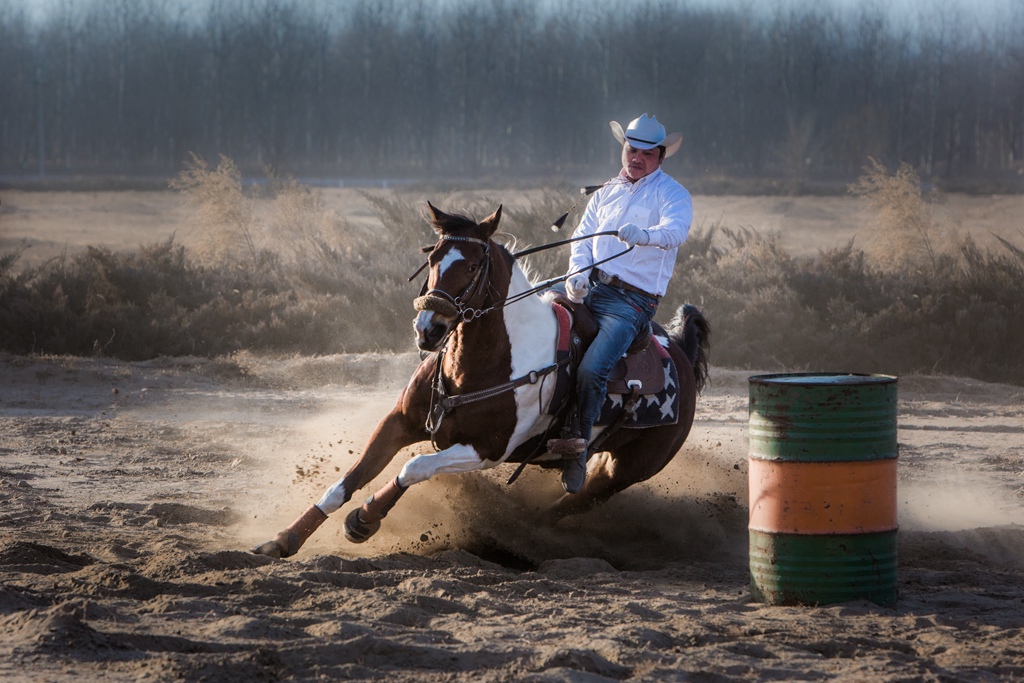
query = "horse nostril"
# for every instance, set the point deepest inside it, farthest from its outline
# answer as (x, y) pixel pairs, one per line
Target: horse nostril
(430, 338)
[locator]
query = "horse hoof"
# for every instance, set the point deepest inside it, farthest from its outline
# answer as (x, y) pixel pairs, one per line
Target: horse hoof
(358, 531)
(270, 549)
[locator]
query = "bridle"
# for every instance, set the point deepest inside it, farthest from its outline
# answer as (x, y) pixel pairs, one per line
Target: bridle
(456, 307)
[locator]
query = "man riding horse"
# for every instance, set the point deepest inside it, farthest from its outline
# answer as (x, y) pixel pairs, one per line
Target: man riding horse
(651, 213)
(480, 395)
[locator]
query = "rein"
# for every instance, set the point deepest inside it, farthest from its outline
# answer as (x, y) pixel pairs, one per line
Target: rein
(555, 280)
(444, 303)
(441, 403)
(454, 306)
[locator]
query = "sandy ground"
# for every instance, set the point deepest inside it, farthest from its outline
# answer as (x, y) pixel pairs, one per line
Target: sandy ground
(129, 493)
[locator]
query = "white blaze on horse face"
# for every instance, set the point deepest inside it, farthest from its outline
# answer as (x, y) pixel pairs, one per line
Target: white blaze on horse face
(453, 256)
(423, 322)
(425, 319)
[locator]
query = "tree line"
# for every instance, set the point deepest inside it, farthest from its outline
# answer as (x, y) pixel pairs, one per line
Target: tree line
(508, 89)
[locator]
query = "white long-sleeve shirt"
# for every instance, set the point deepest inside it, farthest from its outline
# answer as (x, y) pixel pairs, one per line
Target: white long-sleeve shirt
(655, 203)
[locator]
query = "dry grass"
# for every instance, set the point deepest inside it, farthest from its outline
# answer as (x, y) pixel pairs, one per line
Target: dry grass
(222, 228)
(296, 278)
(298, 229)
(905, 233)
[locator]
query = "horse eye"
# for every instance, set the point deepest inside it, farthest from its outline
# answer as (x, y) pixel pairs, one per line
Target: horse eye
(473, 267)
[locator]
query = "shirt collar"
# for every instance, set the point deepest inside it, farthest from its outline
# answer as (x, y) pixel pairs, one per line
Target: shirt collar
(634, 186)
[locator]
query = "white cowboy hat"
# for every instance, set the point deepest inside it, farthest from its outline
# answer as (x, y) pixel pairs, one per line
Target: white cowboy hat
(644, 132)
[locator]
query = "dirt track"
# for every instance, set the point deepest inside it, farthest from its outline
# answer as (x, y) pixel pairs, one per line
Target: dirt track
(129, 492)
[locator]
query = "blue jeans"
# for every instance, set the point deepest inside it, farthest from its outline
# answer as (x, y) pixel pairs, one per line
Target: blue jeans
(621, 315)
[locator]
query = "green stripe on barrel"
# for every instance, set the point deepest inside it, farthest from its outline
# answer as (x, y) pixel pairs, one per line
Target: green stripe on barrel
(816, 418)
(790, 569)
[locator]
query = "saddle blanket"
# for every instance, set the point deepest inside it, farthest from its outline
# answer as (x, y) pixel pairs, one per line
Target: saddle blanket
(652, 410)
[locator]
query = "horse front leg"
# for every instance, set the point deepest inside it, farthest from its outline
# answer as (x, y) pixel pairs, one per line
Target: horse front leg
(394, 433)
(364, 522)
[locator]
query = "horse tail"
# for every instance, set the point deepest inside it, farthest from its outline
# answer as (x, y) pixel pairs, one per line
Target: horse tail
(692, 332)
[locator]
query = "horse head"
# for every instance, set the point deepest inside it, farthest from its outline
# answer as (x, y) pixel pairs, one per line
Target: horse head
(458, 278)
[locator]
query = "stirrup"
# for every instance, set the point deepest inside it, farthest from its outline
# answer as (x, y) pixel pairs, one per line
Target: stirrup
(569, 446)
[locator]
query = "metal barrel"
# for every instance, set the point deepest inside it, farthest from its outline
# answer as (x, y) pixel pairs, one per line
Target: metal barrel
(822, 477)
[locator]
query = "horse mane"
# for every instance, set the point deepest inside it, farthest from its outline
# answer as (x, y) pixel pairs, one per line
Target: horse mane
(529, 271)
(454, 223)
(509, 244)
(507, 255)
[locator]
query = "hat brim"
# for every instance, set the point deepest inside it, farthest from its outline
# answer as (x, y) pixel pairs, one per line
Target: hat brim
(671, 143)
(617, 131)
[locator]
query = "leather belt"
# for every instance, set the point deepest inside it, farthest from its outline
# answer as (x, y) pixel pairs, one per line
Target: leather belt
(615, 281)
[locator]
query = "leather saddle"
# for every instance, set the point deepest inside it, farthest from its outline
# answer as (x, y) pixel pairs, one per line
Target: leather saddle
(639, 373)
(641, 364)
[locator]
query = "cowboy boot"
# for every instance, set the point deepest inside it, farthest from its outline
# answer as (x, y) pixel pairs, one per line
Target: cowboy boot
(574, 471)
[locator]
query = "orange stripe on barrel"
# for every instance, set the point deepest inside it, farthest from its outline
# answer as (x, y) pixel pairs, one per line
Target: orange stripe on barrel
(823, 497)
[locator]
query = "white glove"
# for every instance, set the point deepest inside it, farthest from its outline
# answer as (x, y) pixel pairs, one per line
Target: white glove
(577, 287)
(632, 235)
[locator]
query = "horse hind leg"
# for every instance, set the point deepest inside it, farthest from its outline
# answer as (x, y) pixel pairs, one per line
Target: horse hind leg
(602, 482)
(623, 465)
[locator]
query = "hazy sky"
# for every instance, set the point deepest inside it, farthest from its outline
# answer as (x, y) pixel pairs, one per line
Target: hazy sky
(985, 12)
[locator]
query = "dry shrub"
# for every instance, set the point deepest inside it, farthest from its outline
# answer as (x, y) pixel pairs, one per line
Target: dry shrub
(303, 227)
(531, 226)
(304, 232)
(331, 289)
(229, 227)
(739, 277)
(404, 222)
(841, 311)
(905, 233)
(222, 229)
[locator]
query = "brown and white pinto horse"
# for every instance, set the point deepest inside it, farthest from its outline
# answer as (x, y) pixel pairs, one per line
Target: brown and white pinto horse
(491, 342)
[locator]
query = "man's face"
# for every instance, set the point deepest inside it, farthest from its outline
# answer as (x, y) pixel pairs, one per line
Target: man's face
(640, 162)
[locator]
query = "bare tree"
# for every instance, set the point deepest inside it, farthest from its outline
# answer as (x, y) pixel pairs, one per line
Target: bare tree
(464, 89)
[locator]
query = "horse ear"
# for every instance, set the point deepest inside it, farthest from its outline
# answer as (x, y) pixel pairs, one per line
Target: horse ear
(490, 224)
(435, 216)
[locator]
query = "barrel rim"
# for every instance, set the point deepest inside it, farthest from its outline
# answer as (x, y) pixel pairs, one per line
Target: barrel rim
(816, 379)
